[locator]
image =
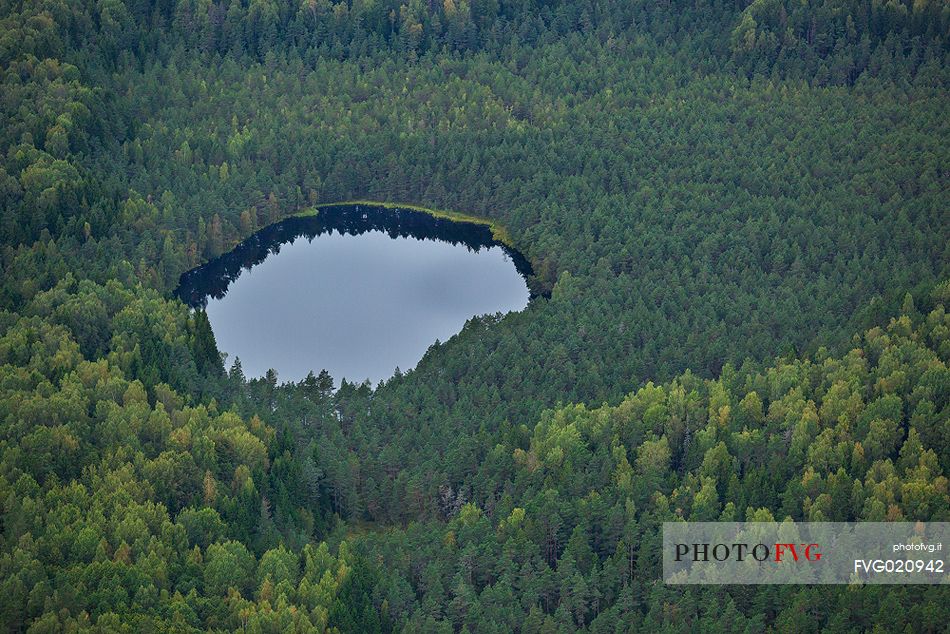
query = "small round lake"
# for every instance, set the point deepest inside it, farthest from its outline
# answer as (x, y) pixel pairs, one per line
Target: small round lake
(358, 290)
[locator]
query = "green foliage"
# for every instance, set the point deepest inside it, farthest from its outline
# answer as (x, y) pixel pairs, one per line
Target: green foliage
(731, 189)
(582, 550)
(123, 506)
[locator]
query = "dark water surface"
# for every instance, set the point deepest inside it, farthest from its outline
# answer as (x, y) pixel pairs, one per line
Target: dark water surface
(357, 290)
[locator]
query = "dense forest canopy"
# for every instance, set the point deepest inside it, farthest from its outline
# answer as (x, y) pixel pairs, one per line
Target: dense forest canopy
(739, 210)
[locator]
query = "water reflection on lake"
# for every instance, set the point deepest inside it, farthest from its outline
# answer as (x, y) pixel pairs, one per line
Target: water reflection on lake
(357, 290)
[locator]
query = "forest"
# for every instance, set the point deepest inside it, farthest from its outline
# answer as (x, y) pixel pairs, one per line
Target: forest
(738, 214)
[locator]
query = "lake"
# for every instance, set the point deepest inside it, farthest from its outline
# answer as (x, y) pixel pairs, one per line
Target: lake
(358, 290)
